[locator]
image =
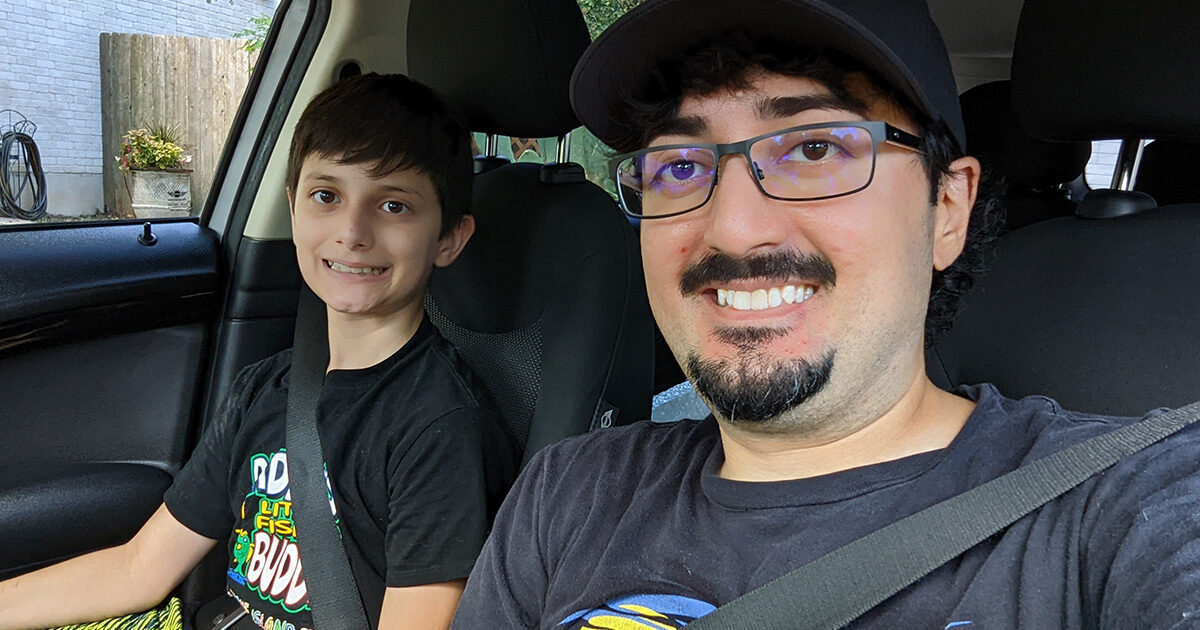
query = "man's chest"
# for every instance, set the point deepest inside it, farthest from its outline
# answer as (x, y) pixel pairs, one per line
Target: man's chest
(666, 567)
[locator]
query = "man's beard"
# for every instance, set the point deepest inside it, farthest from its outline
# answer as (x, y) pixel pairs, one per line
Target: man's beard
(752, 389)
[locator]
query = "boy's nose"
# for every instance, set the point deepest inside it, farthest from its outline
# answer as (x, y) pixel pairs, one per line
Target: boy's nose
(354, 231)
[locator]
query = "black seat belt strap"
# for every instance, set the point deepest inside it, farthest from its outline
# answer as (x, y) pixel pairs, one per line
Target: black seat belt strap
(333, 596)
(837, 588)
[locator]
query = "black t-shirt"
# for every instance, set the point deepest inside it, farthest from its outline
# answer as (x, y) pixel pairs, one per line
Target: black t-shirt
(632, 528)
(416, 460)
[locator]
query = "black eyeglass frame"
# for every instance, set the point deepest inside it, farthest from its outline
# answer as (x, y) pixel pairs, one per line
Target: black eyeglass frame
(879, 131)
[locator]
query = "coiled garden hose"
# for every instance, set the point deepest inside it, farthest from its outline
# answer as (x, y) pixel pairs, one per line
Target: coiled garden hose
(21, 178)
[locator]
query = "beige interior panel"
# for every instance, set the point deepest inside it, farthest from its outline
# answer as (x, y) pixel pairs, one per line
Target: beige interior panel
(369, 32)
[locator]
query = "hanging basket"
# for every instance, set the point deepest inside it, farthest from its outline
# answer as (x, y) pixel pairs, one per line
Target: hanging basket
(157, 194)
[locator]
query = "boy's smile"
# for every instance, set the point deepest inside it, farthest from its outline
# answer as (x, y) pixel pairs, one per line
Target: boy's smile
(366, 245)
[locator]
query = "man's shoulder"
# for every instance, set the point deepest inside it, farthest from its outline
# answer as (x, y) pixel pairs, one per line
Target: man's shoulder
(1038, 423)
(1051, 428)
(643, 447)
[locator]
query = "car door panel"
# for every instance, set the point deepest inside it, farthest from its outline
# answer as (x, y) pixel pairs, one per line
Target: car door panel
(51, 513)
(102, 354)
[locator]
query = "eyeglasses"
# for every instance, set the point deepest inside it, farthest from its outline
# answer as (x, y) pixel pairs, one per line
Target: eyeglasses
(805, 163)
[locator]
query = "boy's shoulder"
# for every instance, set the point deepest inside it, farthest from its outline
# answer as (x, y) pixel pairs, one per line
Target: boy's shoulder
(267, 373)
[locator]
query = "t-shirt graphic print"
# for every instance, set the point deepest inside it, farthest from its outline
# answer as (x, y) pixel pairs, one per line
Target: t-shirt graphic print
(653, 612)
(266, 573)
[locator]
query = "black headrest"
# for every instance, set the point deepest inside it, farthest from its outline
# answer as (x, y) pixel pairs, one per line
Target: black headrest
(994, 135)
(505, 64)
(1108, 69)
(1170, 172)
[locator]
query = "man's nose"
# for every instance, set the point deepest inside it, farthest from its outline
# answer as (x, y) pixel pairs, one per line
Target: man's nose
(743, 221)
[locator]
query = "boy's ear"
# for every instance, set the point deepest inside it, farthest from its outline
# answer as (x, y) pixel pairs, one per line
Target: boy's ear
(291, 195)
(452, 244)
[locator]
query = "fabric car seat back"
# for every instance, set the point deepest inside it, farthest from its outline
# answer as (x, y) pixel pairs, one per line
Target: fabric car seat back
(547, 301)
(1033, 169)
(1170, 172)
(1097, 313)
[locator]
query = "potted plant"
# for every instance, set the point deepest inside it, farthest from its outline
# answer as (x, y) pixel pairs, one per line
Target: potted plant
(160, 183)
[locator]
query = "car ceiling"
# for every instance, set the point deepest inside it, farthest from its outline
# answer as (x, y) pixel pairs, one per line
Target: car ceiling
(978, 33)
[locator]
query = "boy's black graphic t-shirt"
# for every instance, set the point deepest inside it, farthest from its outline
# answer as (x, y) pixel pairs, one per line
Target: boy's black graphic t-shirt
(416, 460)
(632, 527)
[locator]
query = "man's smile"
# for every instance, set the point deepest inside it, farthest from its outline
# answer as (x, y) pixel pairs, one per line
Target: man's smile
(763, 299)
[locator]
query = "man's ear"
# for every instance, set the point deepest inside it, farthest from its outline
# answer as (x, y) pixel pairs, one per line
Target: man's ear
(452, 244)
(956, 198)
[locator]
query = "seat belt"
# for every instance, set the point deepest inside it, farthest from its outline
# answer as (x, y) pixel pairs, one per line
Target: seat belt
(333, 595)
(839, 587)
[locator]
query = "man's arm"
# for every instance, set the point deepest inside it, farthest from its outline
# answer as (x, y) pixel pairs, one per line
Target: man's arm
(111, 582)
(424, 607)
(1142, 557)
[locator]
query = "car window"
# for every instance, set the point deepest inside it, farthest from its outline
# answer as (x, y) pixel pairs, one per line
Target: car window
(119, 110)
(1100, 167)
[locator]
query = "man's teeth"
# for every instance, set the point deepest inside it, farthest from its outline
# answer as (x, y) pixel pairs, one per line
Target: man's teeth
(762, 299)
(374, 271)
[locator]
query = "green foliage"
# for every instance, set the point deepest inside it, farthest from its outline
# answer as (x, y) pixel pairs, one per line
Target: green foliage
(600, 13)
(256, 33)
(156, 148)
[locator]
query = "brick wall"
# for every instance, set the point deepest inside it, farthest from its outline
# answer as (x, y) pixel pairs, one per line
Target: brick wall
(50, 63)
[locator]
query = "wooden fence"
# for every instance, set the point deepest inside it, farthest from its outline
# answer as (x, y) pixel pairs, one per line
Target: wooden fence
(192, 83)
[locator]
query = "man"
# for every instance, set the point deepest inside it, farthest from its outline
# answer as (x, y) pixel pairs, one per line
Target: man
(808, 220)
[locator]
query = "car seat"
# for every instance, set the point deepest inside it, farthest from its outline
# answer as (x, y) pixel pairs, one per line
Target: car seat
(547, 302)
(1097, 310)
(1036, 171)
(1170, 172)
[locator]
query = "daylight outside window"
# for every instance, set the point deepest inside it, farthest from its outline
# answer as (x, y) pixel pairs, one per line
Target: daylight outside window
(112, 111)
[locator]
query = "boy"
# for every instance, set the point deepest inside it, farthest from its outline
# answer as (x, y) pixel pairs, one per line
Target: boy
(379, 181)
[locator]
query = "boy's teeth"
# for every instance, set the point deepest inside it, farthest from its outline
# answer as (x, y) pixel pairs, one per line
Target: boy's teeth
(763, 299)
(374, 271)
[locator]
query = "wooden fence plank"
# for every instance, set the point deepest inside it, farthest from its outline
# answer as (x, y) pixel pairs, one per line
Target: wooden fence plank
(192, 83)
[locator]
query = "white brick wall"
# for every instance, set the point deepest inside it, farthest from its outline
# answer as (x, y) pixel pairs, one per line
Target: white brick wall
(50, 61)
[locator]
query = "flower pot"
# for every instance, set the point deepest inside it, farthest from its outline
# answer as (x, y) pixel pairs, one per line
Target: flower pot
(161, 193)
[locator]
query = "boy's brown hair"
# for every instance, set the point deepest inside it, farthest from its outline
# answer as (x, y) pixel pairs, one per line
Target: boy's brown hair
(394, 123)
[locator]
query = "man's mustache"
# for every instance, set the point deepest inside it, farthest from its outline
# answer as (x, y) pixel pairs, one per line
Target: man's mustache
(786, 266)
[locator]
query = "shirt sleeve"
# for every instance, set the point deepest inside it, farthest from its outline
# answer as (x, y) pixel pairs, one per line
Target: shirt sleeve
(508, 584)
(443, 492)
(199, 496)
(1144, 552)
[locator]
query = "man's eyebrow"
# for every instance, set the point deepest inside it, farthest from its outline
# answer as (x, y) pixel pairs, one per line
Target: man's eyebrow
(682, 126)
(786, 106)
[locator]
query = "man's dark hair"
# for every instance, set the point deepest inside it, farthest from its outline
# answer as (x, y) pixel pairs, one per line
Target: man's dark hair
(729, 62)
(394, 123)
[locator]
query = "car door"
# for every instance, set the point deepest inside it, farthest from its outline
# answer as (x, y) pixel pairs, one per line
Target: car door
(118, 336)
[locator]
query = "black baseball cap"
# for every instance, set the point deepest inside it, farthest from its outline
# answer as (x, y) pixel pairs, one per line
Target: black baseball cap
(896, 39)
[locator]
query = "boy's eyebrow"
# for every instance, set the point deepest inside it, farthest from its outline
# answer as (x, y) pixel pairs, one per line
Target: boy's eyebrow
(411, 191)
(324, 178)
(335, 180)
